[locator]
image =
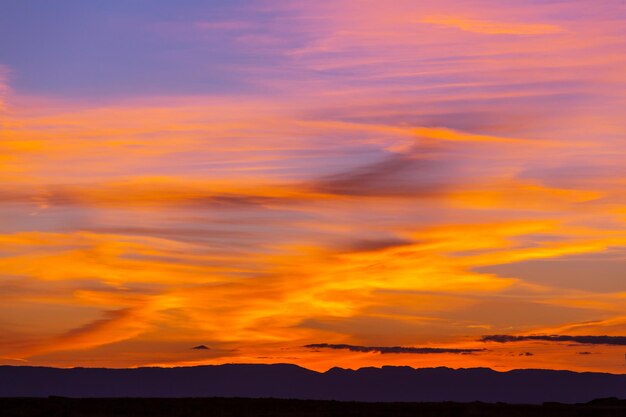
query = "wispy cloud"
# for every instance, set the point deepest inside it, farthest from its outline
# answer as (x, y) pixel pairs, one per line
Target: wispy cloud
(492, 27)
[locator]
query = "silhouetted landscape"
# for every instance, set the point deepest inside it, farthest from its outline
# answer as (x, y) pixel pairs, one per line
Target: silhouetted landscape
(244, 407)
(386, 384)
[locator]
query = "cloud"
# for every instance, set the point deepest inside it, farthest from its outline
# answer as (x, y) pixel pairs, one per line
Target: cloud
(4, 87)
(492, 27)
(416, 172)
(114, 326)
(200, 347)
(587, 340)
(154, 192)
(393, 349)
(372, 245)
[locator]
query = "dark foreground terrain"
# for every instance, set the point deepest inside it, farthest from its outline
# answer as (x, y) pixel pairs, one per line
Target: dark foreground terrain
(386, 384)
(247, 407)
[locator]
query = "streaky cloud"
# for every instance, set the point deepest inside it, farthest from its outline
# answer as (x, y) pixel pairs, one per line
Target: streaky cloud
(488, 27)
(587, 340)
(392, 349)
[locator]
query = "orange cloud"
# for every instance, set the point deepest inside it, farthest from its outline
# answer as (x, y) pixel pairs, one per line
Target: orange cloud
(492, 27)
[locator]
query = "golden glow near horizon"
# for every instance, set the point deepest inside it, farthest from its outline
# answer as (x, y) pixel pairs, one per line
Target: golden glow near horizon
(402, 175)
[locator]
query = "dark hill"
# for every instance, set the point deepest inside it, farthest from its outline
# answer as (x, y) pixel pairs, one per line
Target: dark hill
(268, 407)
(291, 381)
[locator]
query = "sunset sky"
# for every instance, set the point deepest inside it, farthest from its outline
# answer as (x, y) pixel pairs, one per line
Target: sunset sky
(325, 183)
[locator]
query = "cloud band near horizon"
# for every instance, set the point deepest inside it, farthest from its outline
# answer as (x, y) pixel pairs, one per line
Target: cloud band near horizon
(393, 349)
(587, 340)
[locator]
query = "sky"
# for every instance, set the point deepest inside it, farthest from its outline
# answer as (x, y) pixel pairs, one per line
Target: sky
(342, 183)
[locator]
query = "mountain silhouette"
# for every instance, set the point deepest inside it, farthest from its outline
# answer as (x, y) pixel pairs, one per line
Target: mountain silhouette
(388, 383)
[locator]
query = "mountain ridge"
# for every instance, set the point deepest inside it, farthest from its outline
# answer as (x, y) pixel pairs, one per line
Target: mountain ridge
(385, 384)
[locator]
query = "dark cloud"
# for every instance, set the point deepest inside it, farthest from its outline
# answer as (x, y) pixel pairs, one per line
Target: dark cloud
(418, 172)
(371, 245)
(200, 347)
(392, 349)
(584, 353)
(526, 354)
(588, 340)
